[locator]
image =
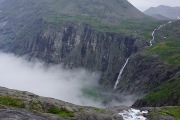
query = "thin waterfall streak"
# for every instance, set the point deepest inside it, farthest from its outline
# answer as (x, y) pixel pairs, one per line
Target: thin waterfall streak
(153, 37)
(120, 73)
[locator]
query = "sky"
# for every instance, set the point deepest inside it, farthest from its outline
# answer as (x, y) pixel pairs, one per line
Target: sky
(143, 5)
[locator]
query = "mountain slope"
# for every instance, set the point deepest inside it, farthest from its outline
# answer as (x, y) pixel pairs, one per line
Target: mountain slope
(60, 32)
(111, 12)
(164, 89)
(166, 11)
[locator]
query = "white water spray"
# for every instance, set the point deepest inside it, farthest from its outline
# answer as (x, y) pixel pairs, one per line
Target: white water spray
(120, 73)
(133, 114)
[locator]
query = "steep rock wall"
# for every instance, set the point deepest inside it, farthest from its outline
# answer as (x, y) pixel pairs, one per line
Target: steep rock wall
(75, 45)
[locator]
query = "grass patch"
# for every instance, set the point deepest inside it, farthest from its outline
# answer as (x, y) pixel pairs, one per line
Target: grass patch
(173, 111)
(12, 102)
(36, 106)
(164, 91)
(168, 51)
(63, 112)
(125, 27)
(99, 110)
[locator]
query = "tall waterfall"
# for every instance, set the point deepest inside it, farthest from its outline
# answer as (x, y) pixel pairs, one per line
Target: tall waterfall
(120, 73)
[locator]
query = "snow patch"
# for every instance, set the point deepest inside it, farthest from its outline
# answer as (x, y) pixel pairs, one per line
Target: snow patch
(133, 114)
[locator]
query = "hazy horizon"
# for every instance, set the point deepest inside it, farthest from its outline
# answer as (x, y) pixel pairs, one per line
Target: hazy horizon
(143, 5)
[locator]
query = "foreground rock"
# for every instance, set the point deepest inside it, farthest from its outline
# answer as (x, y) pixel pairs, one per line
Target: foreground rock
(20, 114)
(24, 105)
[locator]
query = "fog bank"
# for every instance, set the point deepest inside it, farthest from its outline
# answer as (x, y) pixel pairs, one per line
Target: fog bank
(52, 81)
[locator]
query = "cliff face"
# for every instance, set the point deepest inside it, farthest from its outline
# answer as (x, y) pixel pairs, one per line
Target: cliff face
(70, 34)
(74, 45)
(144, 73)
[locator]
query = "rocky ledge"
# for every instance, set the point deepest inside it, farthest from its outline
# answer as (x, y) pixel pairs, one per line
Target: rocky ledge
(21, 105)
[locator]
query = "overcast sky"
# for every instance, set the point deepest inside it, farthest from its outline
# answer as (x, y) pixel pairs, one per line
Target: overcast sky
(145, 4)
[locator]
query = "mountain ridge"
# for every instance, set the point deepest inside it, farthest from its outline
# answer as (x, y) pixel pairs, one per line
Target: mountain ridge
(105, 11)
(166, 11)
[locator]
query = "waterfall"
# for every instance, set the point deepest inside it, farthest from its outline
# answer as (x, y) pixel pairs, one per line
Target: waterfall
(120, 73)
(152, 37)
(161, 26)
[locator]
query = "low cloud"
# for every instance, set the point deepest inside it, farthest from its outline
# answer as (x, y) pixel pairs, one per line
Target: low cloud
(49, 81)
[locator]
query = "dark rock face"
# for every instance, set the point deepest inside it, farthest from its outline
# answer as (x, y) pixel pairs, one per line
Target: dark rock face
(74, 45)
(144, 73)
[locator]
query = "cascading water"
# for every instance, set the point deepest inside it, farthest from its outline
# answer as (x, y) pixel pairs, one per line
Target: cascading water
(133, 114)
(152, 37)
(120, 73)
(161, 26)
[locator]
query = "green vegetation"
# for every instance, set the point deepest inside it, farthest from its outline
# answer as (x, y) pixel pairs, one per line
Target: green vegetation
(168, 51)
(173, 111)
(168, 44)
(167, 90)
(63, 112)
(36, 106)
(164, 90)
(97, 109)
(12, 102)
(126, 27)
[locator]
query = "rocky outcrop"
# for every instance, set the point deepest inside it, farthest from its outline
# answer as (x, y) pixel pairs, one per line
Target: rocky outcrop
(24, 105)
